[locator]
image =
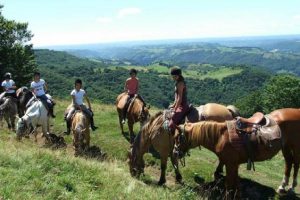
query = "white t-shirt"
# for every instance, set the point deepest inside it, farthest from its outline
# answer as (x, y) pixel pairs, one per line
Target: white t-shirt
(78, 96)
(38, 87)
(8, 84)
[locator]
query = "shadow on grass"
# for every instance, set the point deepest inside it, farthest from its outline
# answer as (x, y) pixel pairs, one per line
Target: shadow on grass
(249, 190)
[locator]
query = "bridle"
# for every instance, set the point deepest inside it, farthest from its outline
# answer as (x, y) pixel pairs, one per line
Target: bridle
(181, 140)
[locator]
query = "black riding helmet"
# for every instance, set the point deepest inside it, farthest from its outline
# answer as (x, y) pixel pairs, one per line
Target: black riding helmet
(7, 75)
(175, 71)
(133, 71)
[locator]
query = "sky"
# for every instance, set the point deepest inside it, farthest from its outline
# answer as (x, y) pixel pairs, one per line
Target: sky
(61, 22)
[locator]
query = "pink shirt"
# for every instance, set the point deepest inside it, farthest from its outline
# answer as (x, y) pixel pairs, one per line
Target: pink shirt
(132, 85)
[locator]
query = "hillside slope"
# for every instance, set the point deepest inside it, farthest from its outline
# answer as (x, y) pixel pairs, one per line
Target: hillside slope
(29, 171)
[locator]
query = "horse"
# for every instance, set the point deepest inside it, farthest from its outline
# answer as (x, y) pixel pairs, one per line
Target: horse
(153, 133)
(288, 120)
(35, 115)
(222, 139)
(23, 95)
(9, 110)
(81, 132)
(136, 113)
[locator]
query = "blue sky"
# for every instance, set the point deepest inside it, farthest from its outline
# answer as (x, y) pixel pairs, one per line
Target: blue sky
(56, 22)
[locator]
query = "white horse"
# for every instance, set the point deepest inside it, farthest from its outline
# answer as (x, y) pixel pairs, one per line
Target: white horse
(36, 115)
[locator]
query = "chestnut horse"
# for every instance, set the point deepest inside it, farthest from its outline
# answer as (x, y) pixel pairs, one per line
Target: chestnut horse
(215, 137)
(153, 133)
(136, 113)
(81, 132)
(288, 120)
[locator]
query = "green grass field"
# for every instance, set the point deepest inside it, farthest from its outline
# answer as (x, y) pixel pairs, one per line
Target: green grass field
(218, 73)
(31, 171)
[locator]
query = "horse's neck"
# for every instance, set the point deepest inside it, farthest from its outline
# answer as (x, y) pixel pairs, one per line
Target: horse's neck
(136, 108)
(207, 139)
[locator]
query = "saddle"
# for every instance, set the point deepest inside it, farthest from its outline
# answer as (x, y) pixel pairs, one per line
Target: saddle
(168, 114)
(249, 132)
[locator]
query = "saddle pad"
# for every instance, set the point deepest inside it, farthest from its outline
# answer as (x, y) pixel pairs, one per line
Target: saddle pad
(235, 139)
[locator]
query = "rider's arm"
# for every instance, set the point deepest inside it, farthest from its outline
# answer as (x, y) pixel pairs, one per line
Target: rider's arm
(180, 87)
(137, 87)
(125, 86)
(88, 101)
(46, 87)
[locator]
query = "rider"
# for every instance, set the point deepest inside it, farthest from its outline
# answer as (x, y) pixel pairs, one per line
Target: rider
(131, 87)
(77, 100)
(180, 105)
(9, 87)
(38, 87)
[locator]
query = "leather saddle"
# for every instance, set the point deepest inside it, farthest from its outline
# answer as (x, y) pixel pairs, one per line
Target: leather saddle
(258, 129)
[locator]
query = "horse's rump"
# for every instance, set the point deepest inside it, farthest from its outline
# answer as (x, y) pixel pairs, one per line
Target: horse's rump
(216, 112)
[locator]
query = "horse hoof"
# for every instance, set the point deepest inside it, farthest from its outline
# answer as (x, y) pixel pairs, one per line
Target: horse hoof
(161, 182)
(291, 191)
(281, 191)
(178, 178)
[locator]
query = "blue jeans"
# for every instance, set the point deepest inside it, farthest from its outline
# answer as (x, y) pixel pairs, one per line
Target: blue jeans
(45, 100)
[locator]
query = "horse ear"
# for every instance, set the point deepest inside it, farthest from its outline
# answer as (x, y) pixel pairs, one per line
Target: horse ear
(148, 107)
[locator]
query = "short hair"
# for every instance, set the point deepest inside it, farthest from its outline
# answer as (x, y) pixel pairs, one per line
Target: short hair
(132, 71)
(36, 74)
(176, 71)
(79, 81)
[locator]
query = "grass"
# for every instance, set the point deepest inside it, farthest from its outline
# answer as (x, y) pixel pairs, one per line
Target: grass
(29, 171)
(218, 73)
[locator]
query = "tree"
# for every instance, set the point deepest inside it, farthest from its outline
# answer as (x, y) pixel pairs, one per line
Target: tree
(16, 53)
(281, 91)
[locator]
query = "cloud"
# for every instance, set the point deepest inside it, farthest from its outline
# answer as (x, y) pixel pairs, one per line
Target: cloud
(128, 11)
(104, 20)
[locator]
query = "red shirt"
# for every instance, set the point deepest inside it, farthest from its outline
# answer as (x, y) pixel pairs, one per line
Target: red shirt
(132, 85)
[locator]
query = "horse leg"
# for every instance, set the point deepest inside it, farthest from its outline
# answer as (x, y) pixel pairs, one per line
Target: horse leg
(232, 181)
(295, 175)
(121, 124)
(174, 161)
(288, 157)
(7, 121)
(163, 167)
(219, 171)
(13, 119)
(131, 133)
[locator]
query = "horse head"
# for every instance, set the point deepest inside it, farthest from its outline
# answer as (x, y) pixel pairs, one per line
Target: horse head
(144, 115)
(136, 164)
(181, 146)
(22, 128)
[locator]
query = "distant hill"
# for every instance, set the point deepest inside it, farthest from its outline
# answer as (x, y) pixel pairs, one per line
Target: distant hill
(187, 54)
(104, 83)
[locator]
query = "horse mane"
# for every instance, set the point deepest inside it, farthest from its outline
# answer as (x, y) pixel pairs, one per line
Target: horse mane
(145, 130)
(206, 133)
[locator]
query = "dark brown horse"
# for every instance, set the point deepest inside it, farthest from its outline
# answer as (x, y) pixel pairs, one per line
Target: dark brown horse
(23, 95)
(136, 113)
(153, 133)
(216, 137)
(288, 120)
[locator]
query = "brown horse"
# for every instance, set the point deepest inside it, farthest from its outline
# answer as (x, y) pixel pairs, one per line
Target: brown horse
(217, 138)
(288, 120)
(9, 110)
(153, 133)
(81, 132)
(136, 113)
